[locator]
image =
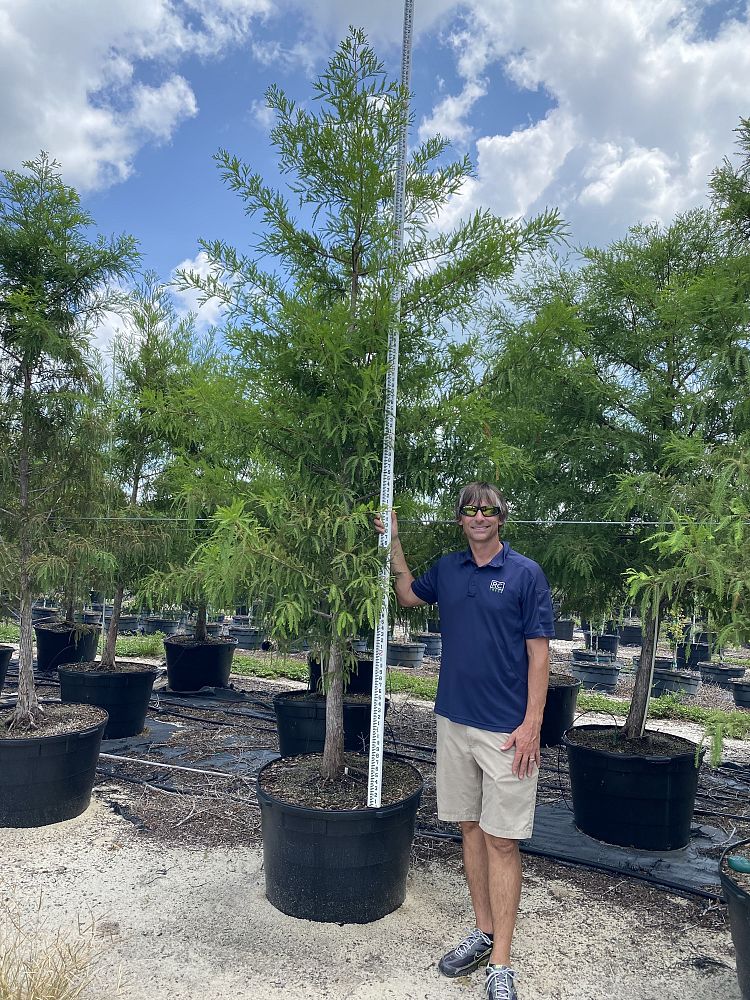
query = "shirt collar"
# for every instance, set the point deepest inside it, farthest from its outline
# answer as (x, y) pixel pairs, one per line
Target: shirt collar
(496, 561)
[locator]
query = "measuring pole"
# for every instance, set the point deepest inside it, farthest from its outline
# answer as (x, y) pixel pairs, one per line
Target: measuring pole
(377, 720)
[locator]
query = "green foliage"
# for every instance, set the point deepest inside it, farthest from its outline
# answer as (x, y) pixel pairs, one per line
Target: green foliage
(309, 312)
(731, 186)
(55, 283)
(139, 645)
(9, 633)
(249, 666)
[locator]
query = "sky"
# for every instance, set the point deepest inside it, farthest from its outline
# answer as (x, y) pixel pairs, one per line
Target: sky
(613, 111)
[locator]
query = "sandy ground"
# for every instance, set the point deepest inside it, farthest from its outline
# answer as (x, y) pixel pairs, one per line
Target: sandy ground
(181, 923)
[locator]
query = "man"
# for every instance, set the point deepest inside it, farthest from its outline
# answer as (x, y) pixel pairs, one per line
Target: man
(496, 619)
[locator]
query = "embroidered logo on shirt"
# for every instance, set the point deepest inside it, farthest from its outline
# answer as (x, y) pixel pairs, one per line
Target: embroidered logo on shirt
(498, 586)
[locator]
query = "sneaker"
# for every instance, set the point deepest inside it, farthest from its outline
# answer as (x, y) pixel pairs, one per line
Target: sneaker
(500, 983)
(472, 952)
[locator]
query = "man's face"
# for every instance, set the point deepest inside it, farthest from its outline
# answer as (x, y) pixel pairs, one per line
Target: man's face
(481, 527)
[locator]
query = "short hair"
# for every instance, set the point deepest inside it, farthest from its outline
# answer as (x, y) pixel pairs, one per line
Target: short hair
(482, 493)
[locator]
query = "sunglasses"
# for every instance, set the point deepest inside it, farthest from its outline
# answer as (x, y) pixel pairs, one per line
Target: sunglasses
(469, 510)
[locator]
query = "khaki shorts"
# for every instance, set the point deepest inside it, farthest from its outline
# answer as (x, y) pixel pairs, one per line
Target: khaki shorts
(475, 782)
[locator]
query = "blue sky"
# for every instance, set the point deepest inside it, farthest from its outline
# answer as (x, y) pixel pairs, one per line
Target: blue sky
(613, 110)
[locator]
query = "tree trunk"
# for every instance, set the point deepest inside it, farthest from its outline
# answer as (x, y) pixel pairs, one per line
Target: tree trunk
(108, 656)
(636, 720)
(333, 751)
(28, 710)
(200, 623)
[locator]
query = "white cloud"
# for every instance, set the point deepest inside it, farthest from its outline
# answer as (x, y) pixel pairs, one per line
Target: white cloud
(644, 105)
(156, 109)
(449, 116)
(261, 114)
(206, 314)
(70, 76)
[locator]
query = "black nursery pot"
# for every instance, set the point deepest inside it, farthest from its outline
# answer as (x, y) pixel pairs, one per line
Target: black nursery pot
(337, 866)
(167, 626)
(564, 629)
(741, 693)
(55, 646)
(123, 694)
(358, 682)
(738, 904)
(559, 710)
(5, 654)
(632, 800)
(192, 665)
(606, 643)
(48, 779)
(301, 723)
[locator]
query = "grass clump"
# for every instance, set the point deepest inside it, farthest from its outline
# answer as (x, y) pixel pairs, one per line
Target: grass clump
(278, 667)
(138, 645)
(9, 632)
(39, 966)
(127, 645)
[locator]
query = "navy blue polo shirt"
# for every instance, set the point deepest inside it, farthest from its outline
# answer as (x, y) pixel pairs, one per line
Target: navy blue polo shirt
(486, 615)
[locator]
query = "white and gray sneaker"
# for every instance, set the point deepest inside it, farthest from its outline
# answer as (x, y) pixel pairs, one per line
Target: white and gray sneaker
(500, 983)
(472, 952)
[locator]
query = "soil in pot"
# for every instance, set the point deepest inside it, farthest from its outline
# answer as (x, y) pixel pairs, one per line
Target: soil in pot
(301, 721)
(61, 642)
(123, 691)
(192, 665)
(326, 855)
(736, 886)
(634, 793)
(5, 654)
(559, 708)
(47, 777)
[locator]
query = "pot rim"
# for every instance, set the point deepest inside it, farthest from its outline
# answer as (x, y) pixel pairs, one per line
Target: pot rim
(73, 668)
(614, 755)
(31, 741)
(343, 814)
(215, 640)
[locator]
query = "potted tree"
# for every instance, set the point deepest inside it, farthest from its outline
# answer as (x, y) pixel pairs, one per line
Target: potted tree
(53, 283)
(310, 338)
(619, 359)
(151, 367)
(199, 475)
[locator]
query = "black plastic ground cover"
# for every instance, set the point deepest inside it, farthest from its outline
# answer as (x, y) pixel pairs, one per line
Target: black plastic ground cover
(242, 762)
(690, 869)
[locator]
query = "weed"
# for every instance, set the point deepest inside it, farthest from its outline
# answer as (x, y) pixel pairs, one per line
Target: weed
(39, 966)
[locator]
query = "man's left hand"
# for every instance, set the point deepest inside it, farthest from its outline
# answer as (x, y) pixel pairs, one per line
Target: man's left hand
(528, 753)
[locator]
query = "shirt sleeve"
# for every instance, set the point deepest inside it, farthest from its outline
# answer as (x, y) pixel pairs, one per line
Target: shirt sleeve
(536, 607)
(425, 587)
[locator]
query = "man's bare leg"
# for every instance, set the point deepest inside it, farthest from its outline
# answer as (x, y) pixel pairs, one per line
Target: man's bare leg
(503, 893)
(476, 867)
